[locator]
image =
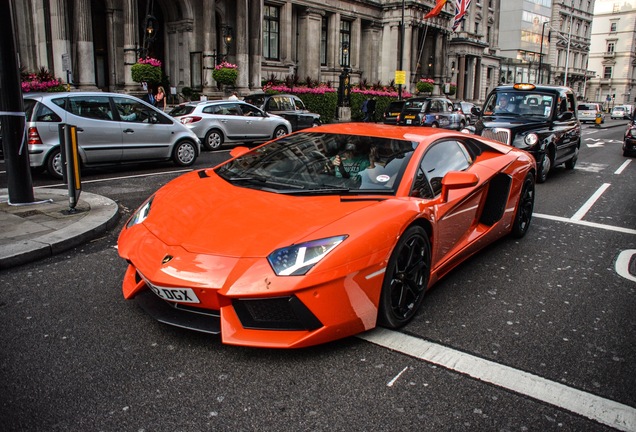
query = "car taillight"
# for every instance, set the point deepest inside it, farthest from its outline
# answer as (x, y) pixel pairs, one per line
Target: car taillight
(191, 119)
(34, 136)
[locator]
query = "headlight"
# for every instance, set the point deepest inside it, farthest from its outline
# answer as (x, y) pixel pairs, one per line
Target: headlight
(299, 259)
(531, 139)
(141, 214)
(526, 142)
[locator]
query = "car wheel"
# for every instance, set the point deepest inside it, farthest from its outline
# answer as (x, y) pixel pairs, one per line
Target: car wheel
(213, 139)
(524, 209)
(315, 124)
(185, 153)
(572, 162)
(462, 125)
(280, 131)
(54, 164)
(435, 125)
(406, 278)
(544, 165)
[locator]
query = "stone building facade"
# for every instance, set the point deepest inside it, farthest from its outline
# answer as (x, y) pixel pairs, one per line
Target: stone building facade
(99, 40)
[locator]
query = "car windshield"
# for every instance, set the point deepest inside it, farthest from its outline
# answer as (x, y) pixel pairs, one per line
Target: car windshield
(322, 163)
(586, 107)
(520, 103)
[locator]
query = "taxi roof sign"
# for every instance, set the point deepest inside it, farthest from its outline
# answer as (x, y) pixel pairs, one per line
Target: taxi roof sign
(524, 86)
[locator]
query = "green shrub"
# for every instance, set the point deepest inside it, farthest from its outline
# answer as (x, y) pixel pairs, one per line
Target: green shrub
(142, 72)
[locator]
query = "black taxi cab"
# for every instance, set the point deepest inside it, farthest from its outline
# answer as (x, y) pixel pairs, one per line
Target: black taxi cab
(540, 119)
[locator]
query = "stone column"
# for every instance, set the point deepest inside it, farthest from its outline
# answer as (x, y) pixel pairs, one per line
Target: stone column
(356, 45)
(407, 54)
(390, 50)
(309, 50)
(209, 45)
(461, 71)
(60, 43)
(111, 47)
(370, 52)
(241, 38)
(286, 32)
(85, 58)
(255, 25)
(333, 56)
(478, 79)
(438, 62)
(131, 42)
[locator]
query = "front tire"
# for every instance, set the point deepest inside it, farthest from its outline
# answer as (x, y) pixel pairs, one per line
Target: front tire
(184, 154)
(406, 279)
(544, 165)
(279, 132)
(525, 208)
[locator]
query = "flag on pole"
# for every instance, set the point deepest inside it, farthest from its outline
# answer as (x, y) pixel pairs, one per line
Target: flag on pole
(436, 10)
(461, 8)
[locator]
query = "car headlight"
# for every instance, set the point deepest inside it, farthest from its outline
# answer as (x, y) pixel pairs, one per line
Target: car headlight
(298, 259)
(141, 214)
(526, 142)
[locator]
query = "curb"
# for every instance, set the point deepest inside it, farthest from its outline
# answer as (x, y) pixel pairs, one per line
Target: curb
(102, 215)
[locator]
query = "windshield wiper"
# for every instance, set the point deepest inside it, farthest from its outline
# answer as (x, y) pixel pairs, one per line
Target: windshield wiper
(263, 180)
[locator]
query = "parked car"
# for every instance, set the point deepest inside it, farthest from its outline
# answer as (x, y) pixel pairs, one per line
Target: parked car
(392, 112)
(290, 107)
(111, 128)
(587, 112)
(629, 142)
(431, 111)
(620, 112)
(274, 249)
(466, 109)
(540, 119)
(223, 121)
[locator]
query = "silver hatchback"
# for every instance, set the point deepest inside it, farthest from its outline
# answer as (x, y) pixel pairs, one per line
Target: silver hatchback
(111, 128)
(225, 121)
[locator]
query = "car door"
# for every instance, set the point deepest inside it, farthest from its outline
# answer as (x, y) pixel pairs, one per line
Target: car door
(255, 125)
(146, 132)
(566, 127)
(284, 106)
(456, 217)
(304, 120)
(98, 132)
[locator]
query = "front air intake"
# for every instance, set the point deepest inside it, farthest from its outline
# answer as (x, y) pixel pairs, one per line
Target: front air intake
(280, 313)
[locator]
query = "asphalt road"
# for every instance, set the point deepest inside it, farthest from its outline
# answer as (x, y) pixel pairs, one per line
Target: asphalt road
(535, 334)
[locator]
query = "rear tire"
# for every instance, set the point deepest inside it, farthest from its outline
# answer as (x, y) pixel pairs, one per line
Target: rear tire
(213, 139)
(572, 162)
(54, 164)
(543, 168)
(525, 208)
(405, 279)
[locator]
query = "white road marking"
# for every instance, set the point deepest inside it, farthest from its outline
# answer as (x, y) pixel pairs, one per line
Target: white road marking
(590, 202)
(390, 383)
(622, 167)
(585, 223)
(622, 264)
(605, 411)
(122, 177)
(590, 167)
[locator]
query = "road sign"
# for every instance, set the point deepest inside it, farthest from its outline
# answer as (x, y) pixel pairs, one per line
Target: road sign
(400, 77)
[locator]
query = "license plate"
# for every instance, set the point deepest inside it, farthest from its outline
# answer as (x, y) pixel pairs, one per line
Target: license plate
(394, 114)
(409, 122)
(181, 295)
(409, 117)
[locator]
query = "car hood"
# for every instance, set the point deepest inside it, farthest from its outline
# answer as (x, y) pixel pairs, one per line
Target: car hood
(515, 124)
(210, 216)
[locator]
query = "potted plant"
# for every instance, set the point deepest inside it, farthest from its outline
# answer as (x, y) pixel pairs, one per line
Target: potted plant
(451, 89)
(425, 85)
(225, 73)
(147, 70)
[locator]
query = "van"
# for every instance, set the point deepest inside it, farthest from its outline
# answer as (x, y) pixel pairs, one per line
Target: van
(588, 111)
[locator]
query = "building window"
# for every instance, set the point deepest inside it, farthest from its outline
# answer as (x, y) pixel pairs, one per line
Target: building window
(324, 31)
(476, 28)
(607, 72)
(610, 47)
(271, 32)
(613, 27)
(345, 41)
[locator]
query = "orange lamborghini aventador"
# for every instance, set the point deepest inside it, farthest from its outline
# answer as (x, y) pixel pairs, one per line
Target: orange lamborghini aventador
(323, 233)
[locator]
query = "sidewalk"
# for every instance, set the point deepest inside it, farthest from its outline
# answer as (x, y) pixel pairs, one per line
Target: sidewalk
(35, 231)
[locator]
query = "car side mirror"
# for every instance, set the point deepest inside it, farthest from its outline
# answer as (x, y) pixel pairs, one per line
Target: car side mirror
(239, 151)
(457, 180)
(568, 115)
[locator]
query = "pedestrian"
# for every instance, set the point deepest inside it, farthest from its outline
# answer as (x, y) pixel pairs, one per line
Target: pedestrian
(364, 109)
(160, 99)
(371, 110)
(234, 96)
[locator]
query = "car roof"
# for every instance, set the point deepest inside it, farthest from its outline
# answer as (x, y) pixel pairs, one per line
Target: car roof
(537, 87)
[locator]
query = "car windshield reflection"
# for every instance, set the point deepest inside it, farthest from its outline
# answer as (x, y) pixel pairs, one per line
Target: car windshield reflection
(322, 163)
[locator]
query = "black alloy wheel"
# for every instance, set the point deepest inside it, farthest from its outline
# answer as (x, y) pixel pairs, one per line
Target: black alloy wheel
(406, 278)
(525, 208)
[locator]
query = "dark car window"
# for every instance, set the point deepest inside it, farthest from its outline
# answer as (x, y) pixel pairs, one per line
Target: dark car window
(441, 158)
(181, 110)
(133, 111)
(93, 107)
(249, 110)
(300, 106)
(45, 114)
(215, 109)
(419, 105)
(257, 100)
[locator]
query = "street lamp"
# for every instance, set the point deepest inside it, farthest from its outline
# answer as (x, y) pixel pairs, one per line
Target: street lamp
(228, 36)
(541, 52)
(344, 85)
